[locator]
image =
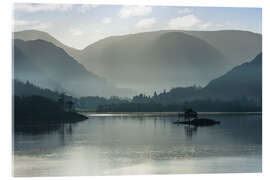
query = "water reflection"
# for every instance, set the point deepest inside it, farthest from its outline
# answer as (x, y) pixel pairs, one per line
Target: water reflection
(190, 130)
(113, 143)
(66, 128)
(36, 130)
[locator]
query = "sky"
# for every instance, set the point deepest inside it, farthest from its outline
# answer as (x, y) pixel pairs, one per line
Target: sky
(81, 25)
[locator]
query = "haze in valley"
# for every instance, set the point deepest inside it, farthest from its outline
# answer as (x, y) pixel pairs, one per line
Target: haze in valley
(126, 50)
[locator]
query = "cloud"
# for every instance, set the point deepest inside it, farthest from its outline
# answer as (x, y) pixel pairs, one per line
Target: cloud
(76, 32)
(42, 26)
(31, 24)
(205, 25)
(32, 8)
(85, 7)
(107, 20)
(210, 26)
(146, 23)
(129, 11)
(184, 11)
(184, 22)
(24, 22)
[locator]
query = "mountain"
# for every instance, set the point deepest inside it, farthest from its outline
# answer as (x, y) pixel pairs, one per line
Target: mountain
(47, 65)
(238, 46)
(154, 60)
(28, 35)
(243, 83)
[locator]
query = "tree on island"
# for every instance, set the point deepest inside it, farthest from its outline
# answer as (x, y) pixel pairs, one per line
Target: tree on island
(189, 114)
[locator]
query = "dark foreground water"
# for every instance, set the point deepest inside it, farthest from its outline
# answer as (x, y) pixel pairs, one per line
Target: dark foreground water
(136, 144)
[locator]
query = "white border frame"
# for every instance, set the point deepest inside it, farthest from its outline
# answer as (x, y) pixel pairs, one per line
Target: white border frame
(5, 79)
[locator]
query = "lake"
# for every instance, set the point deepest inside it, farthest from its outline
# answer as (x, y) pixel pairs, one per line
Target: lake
(127, 144)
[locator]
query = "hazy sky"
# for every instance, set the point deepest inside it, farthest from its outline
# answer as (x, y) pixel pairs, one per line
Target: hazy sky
(81, 25)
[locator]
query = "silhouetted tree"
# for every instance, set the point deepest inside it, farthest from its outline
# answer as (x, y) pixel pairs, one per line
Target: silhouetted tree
(61, 100)
(69, 106)
(39, 110)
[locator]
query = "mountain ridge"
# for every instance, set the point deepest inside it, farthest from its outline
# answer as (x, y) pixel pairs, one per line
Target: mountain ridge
(28, 35)
(155, 65)
(104, 56)
(55, 69)
(243, 82)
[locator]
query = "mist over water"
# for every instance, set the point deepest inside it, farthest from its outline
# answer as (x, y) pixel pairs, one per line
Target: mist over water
(140, 144)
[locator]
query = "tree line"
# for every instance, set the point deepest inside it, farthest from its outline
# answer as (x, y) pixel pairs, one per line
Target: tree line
(173, 100)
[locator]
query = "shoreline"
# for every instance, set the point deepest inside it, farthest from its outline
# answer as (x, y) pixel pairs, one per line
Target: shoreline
(90, 113)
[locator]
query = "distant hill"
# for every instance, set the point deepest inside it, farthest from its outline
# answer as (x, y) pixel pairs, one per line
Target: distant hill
(154, 60)
(239, 90)
(157, 60)
(243, 82)
(47, 65)
(238, 46)
(28, 35)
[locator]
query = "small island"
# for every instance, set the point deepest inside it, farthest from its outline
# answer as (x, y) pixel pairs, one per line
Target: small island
(191, 118)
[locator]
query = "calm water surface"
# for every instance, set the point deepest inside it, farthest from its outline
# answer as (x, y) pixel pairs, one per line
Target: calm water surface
(140, 144)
